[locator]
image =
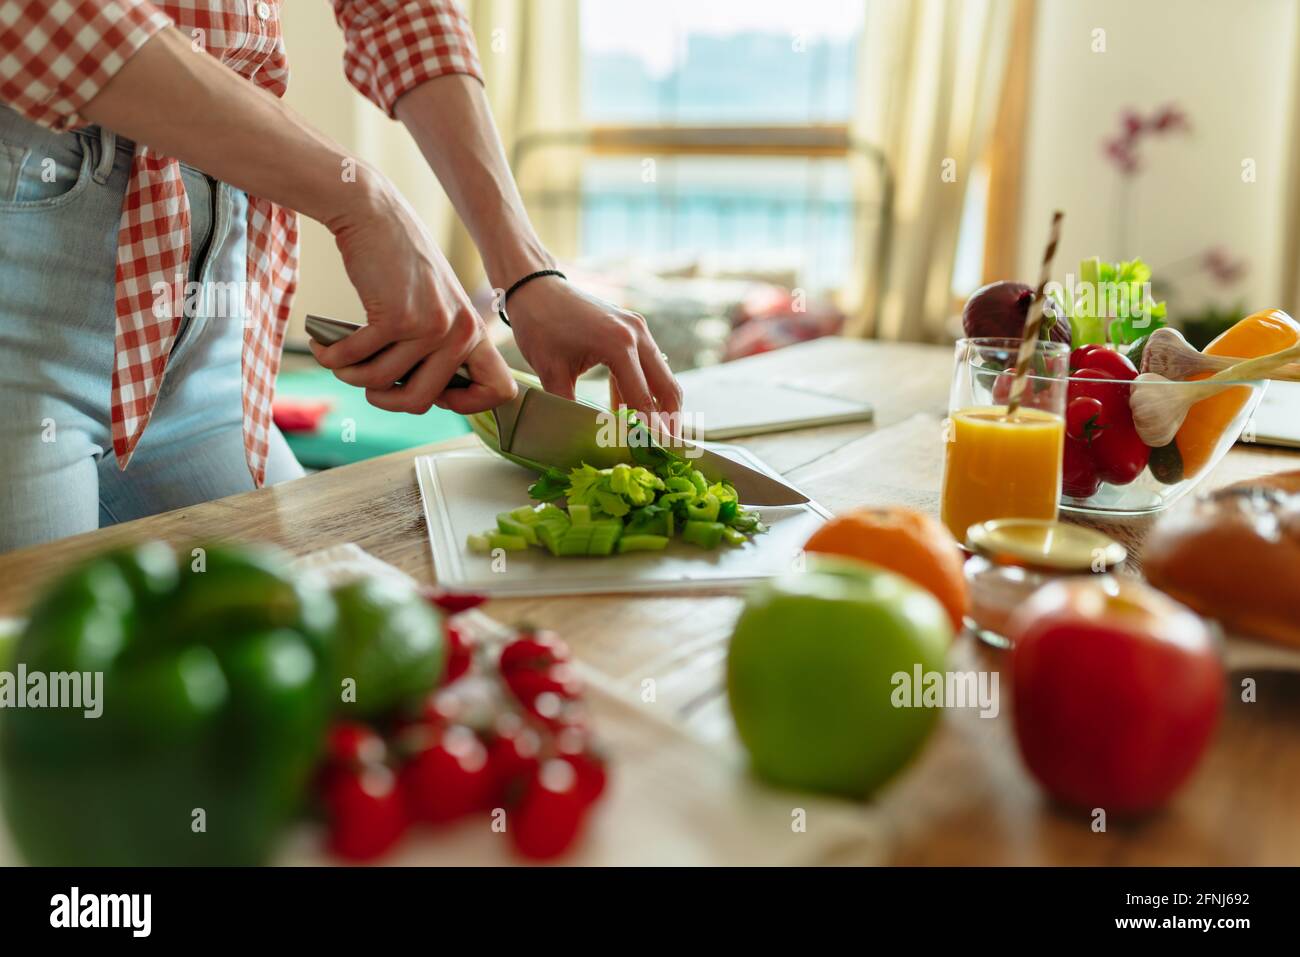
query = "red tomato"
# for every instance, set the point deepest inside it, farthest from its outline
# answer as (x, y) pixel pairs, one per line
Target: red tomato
(1117, 450)
(574, 746)
(534, 650)
(557, 679)
(355, 744)
(1117, 691)
(1109, 361)
(1082, 418)
(460, 655)
(448, 779)
(513, 755)
(551, 813)
(1079, 477)
(366, 811)
(454, 603)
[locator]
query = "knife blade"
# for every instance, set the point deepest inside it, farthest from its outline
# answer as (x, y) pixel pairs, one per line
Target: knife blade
(565, 433)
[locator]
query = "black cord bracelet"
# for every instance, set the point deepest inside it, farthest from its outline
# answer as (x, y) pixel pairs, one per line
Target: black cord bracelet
(523, 282)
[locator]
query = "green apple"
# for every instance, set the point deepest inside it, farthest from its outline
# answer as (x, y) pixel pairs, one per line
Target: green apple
(810, 675)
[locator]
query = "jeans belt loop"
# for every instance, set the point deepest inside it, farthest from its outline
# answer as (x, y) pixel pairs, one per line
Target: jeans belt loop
(107, 153)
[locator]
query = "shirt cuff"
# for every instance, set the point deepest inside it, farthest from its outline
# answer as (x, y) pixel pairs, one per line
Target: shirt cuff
(56, 57)
(389, 55)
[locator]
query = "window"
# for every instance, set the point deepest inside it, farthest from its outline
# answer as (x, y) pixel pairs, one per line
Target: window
(719, 61)
(759, 181)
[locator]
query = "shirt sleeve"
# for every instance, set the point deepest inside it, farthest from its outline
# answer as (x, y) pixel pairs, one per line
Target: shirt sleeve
(55, 57)
(393, 46)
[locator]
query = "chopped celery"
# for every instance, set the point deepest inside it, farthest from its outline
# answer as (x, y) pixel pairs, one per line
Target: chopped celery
(703, 534)
(509, 525)
(703, 509)
(625, 508)
(619, 479)
(576, 540)
(510, 543)
(526, 515)
(643, 543)
(550, 537)
(733, 537)
(604, 536)
(546, 512)
(612, 504)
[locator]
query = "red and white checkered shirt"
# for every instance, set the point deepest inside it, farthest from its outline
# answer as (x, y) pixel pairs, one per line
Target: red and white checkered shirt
(56, 55)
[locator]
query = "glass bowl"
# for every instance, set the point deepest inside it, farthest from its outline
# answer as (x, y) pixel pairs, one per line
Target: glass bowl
(1212, 426)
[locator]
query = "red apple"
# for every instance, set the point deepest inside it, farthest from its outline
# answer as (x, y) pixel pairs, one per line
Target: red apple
(1117, 690)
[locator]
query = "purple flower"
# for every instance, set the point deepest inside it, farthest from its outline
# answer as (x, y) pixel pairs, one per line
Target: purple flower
(1123, 149)
(1222, 267)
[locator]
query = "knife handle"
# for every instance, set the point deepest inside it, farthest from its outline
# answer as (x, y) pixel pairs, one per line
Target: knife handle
(329, 331)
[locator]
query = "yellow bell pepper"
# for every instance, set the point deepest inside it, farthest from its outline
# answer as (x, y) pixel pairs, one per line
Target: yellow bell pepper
(1257, 335)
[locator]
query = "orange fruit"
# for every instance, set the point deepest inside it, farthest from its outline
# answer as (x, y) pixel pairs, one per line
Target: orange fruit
(911, 543)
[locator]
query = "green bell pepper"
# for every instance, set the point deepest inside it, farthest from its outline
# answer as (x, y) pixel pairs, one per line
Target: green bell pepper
(391, 647)
(216, 689)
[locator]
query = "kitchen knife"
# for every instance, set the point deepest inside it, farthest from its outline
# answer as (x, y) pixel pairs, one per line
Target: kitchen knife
(564, 433)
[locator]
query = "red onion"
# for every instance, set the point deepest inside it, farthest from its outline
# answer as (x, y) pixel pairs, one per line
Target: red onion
(999, 310)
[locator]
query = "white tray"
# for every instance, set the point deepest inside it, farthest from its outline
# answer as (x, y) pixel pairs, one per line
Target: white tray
(463, 490)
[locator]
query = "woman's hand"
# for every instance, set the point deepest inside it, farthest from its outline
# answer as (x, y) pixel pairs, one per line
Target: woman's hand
(420, 322)
(563, 332)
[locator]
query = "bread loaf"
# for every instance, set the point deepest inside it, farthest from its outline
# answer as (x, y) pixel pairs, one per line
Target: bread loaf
(1235, 556)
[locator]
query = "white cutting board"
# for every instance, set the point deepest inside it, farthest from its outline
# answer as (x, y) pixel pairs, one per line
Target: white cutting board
(727, 408)
(463, 490)
(1277, 417)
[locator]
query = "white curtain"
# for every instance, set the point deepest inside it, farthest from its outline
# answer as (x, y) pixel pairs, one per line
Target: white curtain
(530, 54)
(1289, 291)
(930, 77)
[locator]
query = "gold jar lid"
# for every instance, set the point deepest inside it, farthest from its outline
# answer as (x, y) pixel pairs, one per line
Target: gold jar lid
(1043, 543)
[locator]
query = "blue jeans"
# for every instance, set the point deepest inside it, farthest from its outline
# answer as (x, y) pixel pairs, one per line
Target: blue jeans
(60, 206)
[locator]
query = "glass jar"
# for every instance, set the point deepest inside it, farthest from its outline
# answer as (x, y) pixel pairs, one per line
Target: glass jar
(1011, 558)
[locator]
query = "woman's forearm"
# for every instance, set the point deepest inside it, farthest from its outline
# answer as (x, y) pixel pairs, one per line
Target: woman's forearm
(183, 103)
(450, 119)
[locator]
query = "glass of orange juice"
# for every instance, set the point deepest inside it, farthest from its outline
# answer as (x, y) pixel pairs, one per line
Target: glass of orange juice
(997, 465)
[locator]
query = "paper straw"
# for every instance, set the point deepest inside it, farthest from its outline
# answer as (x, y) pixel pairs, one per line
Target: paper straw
(1034, 321)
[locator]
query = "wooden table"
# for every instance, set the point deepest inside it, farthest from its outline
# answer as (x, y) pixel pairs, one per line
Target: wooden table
(967, 800)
